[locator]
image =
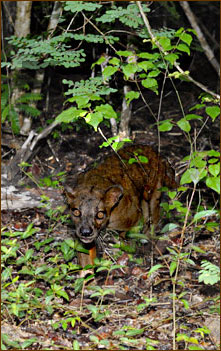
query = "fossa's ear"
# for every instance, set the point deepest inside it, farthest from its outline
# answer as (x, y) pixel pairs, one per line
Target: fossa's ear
(69, 193)
(113, 195)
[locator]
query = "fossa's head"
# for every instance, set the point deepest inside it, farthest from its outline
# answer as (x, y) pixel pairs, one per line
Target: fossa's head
(90, 209)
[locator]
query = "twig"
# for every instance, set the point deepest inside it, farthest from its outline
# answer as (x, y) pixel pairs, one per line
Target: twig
(97, 29)
(147, 24)
(178, 264)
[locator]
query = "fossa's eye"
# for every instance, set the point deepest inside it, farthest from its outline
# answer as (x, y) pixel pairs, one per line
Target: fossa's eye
(100, 215)
(76, 212)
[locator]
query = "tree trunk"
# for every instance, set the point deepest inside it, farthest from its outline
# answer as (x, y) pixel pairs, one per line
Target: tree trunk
(23, 18)
(22, 29)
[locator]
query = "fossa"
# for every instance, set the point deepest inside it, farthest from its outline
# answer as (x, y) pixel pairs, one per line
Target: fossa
(116, 194)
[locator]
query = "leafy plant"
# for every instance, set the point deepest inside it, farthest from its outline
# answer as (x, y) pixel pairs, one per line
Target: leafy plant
(10, 111)
(209, 274)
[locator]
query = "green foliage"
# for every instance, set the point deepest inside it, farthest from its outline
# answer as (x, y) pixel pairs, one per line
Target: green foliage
(65, 323)
(205, 166)
(128, 16)
(209, 274)
(114, 143)
(10, 112)
(131, 95)
(84, 94)
(7, 343)
(40, 53)
(137, 159)
(147, 301)
(57, 290)
(191, 338)
(91, 88)
(95, 38)
(175, 257)
(148, 66)
(78, 6)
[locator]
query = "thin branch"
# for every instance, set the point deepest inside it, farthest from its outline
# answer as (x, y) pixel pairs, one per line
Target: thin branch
(98, 30)
(147, 24)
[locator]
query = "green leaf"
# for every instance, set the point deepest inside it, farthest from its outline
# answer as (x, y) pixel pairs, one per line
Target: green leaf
(143, 159)
(27, 97)
(213, 153)
(7, 339)
(69, 115)
(14, 119)
(125, 53)
(189, 117)
(15, 309)
(133, 332)
(101, 60)
(165, 43)
(146, 65)
(187, 38)
(114, 61)
(107, 111)
(65, 248)
(131, 95)
(71, 243)
(129, 69)
(212, 160)
(193, 175)
(132, 160)
(172, 194)
(214, 169)
(169, 227)
(109, 71)
(197, 249)
(209, 274)
(198, 162)
(197, 107)
(150, 83)
(179, 31)
(78, 6)
(184, 125)
(185, 303)
(173, 266)
(28, 254)
(213, 183)
(213, 111)
(154, 268)
(193, 347)
(82, 101)
(184, 48)
(94, 119)
(165, 126)
(154, 73)
(28, 342)
(171, 58)
(147, 55)
(76, 345)
(203, 214)
(5, 114)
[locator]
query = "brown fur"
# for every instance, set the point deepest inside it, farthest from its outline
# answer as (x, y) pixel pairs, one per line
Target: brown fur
(116, 194)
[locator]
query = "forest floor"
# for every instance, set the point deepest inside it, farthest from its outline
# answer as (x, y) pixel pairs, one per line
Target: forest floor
(46, 306)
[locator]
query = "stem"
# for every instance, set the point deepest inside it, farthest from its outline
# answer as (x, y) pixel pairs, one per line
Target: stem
(178, 263)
